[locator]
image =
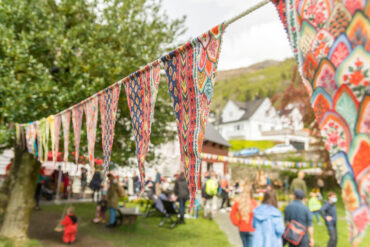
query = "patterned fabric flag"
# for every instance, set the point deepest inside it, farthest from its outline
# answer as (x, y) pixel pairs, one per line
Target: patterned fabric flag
(91, 113)
(141, 90)
(66, 120)
(331, 43)
(44, 138)
(191, 71)
(108, 101)
(50, 120)
(77, 113)
(57, 121)
(31, 137)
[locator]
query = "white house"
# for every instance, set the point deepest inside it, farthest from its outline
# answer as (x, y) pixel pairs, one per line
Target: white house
(259, 120)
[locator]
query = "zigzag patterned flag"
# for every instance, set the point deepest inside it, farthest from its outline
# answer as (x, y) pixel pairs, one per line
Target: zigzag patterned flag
(51, 123)
(77, 113)
(66, 120)
(108, 101)
(31, 137)
(331, 43)
(44, 137)
(141, 90)
(191, 71)
(39, 133)
(91, 113)
(57, 120)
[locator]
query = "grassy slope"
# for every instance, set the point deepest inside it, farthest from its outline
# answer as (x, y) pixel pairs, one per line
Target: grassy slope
(265, 79)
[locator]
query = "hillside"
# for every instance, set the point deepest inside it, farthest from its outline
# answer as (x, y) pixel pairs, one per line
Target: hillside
(264, 79)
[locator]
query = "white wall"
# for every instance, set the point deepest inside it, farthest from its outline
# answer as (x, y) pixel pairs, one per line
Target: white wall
(231, 112)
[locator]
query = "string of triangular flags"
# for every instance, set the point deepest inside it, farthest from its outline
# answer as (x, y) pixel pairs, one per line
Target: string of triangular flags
(260, 162)
(331, 43)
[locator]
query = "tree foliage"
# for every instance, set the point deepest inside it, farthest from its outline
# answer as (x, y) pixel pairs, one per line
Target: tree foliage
(54, 54)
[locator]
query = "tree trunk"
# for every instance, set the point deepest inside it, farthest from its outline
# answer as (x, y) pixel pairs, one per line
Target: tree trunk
(21, 190)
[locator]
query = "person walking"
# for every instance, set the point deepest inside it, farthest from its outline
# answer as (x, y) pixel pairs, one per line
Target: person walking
(95, 185)
(298, 212)
(298, 183)
(329, 213)
(83, 180)
(224, 184)
(241, 214)
(314, 205)
(113, 197)
(40, 181)
(182, 193)
(157, 182)
(211, 189)
(268, 222)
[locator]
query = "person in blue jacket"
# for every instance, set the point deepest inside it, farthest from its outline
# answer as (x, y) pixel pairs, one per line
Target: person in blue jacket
(329, 213)
(268, 222)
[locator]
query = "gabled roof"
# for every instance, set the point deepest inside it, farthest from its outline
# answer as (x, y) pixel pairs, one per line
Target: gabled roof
(249, 107)
(212, 135)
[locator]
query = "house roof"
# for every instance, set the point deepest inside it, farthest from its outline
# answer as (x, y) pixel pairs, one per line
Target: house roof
(213, 135)
(249, 107)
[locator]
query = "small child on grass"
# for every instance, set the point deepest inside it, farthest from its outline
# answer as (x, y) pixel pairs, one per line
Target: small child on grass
(329, 213)
(315, 205)
(70, 226)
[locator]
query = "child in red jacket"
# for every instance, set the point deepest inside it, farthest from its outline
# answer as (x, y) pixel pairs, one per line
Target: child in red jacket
(70, 226)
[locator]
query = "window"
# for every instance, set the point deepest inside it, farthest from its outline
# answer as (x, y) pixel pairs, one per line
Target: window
(237, 127)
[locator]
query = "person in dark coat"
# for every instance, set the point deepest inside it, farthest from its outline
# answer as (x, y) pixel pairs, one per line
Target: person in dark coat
(95, 185)
(182, 193)
(329, 213)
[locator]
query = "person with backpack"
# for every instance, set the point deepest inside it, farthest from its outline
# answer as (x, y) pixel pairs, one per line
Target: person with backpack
(182, 193)
(298, 219)
(268, 222)
(115, 191)
(211, 189)
(241, 214)
(70, 226)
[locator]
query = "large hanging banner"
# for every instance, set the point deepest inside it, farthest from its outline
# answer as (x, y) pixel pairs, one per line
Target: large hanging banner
(191, 71)
(331, 43)
(66, 120)
(141, 90)
(108, 101)
(77, 113)
(55, 148)
(91, 112)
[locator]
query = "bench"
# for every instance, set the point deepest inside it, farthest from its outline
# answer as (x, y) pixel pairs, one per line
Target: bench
(127, 216)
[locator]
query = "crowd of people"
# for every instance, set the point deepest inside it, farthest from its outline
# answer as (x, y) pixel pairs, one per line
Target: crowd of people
(265, 226)
(253, 204)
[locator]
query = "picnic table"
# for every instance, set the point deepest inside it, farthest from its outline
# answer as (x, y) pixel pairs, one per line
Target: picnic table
(128, 215)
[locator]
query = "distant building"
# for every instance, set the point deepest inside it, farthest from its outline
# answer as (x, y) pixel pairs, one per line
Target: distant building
(259, 120)
(169, 162)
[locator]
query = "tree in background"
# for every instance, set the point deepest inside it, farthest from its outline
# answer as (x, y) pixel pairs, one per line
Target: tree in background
(54, 54)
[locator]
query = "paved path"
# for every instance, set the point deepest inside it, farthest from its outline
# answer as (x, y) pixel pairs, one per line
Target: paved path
(232, 232)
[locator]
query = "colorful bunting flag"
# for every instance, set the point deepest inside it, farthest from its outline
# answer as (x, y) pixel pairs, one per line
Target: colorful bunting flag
(191, 71)
(330, 41)
(108, 101)
(31, 137)
(44, 137)
(77, 113)
(141, 90)
(57, 121)
(91, 112)
(66, 120)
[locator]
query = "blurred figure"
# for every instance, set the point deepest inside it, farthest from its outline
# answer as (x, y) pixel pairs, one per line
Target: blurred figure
(40, 181)
(95, 185)
(135, 179)
(83, 180)
(321, 185)
(224, 184)
(298, 183)
(70, 226)
(314, 205)
(268, 222)
(286, 187)
(298, 212)
(101, 210)
(241, 214)
(329, 213)
(113, 197)
(157, 181)
(182, 193)
(211, 189)
(66, 188)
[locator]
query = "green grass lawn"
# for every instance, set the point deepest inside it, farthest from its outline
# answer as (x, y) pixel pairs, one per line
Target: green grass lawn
(198, 232)
(146, 232)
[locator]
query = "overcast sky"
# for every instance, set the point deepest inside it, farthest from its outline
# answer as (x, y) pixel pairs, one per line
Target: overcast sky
(256, 37)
